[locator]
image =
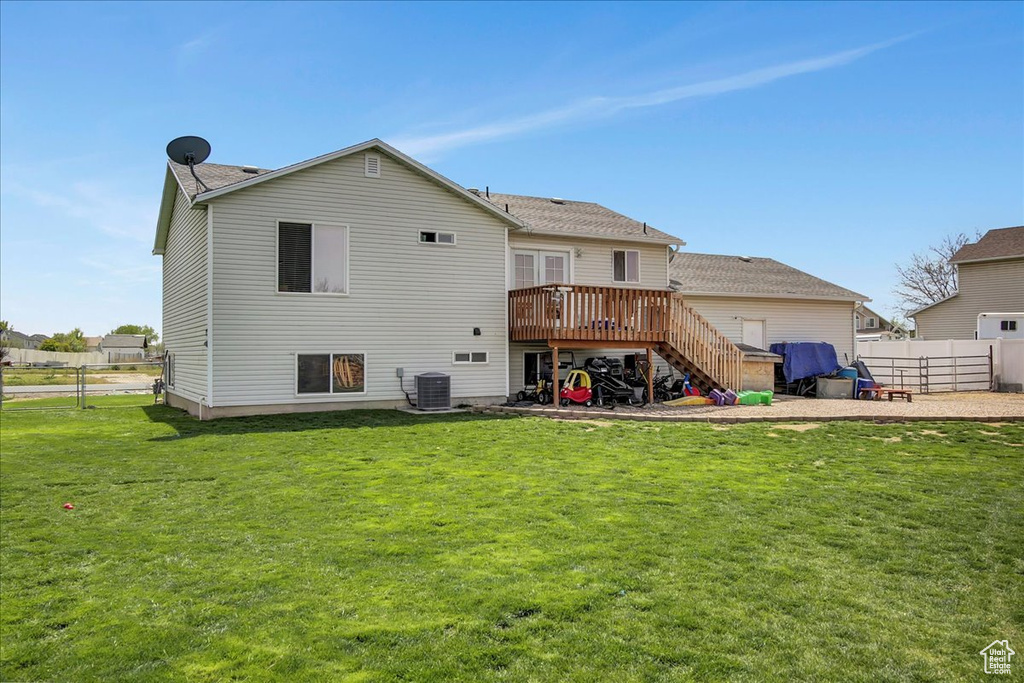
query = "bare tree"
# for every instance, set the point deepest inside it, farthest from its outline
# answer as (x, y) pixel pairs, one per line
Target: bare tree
(929, 277)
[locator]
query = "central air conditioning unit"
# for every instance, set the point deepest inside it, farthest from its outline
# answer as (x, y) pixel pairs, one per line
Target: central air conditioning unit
(433, 391)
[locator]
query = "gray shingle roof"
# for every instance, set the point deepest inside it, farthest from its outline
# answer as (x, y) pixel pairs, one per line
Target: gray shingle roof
(576, 219)
(996, 244)
(125, 341)
(215, 176)
(739, 276)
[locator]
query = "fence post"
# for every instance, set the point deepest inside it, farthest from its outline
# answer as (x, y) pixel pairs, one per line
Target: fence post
(82, 370)
(991, 377)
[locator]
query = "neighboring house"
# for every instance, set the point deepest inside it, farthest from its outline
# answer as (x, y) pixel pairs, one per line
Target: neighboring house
(873, 327)
(124, 347)
(760, 302)
(93, 343)
(990, 280)
(21, 340)
(333, 282)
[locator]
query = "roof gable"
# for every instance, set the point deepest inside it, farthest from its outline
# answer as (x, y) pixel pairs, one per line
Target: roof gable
(563, 217)
(220, 180)
(717, 274)
(1002, 243)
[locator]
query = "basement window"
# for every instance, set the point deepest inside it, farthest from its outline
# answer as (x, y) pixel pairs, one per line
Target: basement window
(625, 265)
(312, 258)
(330, 373)
(431, 237)
(469, 357)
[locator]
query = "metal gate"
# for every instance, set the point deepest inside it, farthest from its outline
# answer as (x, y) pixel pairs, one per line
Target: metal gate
(926, 374)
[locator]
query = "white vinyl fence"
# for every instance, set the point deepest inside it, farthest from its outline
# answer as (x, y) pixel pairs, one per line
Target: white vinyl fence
(70, 359)
(947, 365)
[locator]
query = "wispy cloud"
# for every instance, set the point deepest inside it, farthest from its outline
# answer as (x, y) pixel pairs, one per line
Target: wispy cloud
(95, 206)
(603, 107)
(188, 53)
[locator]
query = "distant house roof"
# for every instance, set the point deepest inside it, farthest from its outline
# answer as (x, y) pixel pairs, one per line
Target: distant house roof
(710, 274)
(125, 341)
(563, 217)
(994, 245)
(220, 180)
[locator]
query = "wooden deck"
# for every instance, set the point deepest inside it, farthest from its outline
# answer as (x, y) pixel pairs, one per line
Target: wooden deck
(582, 316)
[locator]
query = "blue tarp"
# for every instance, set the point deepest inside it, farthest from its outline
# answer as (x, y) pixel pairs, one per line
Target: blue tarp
(806, 359)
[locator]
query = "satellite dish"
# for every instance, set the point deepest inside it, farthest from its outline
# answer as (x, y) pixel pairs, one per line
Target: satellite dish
(188, 150)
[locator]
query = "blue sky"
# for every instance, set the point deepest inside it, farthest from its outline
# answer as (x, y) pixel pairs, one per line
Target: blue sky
(837, 138)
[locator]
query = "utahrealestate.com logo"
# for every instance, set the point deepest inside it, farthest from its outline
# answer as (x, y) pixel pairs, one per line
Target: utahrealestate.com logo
(997, 657)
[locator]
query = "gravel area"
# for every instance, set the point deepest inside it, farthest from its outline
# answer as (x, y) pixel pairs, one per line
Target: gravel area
(974, 405)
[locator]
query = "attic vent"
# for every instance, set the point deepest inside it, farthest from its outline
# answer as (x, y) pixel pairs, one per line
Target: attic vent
(745, 259)
(372, 165)
(250, 169)
(557, 200)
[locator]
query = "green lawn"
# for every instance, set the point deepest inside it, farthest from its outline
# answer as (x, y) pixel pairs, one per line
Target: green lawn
(379, 546)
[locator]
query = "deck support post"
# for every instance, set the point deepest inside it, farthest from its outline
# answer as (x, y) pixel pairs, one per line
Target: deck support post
(650, 376)
(555, 399)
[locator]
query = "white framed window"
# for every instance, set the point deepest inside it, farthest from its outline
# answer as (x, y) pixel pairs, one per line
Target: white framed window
(169, 369)
(470, 357)
(872, 322)
(625, 265)
(330, 373)
(432, 237)
(1007, 325)
(311, 258)
(371, 166)
(531, 267)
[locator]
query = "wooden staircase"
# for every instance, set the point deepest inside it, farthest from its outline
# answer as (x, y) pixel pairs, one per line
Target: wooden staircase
(696, 346)
(584, 316)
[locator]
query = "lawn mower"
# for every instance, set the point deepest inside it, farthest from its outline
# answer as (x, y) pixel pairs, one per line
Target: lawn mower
(606, 388)
(538, 393)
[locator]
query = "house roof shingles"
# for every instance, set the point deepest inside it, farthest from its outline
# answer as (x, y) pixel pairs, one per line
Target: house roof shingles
(124, 341)
(995, 244)
(215, 176)
(576, 219)
(745, 276)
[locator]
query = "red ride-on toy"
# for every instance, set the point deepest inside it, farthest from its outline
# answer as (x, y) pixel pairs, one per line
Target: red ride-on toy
(576, 389)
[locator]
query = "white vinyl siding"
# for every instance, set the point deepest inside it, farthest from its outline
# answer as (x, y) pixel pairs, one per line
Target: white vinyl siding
(590, 260)
(184, 298)
(785, 320)
(988, 287)
(405, 307)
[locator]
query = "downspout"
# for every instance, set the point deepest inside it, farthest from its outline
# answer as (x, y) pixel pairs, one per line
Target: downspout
(209, 306)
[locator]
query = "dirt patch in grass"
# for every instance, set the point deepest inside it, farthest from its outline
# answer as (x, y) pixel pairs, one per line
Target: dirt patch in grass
(805, 427)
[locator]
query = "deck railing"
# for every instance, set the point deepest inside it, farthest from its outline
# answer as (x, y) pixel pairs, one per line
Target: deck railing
(582, 312)
(704, 345)
(568, 313)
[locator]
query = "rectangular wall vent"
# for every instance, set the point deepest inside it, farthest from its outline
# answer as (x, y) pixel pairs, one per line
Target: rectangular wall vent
(372, 165)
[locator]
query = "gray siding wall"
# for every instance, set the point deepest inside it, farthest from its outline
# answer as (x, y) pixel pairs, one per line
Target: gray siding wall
(410, 305)
(593, 265)
(786, 320)
(994, 287)
(184, 298)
